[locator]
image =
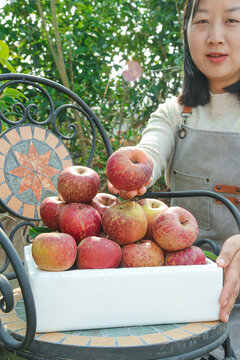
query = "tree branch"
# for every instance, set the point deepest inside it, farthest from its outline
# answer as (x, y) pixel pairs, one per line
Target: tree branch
(53, 52)
(62, 66)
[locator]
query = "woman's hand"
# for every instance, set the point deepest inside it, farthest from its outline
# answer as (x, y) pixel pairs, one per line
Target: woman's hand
(128, 194)
(229, 260)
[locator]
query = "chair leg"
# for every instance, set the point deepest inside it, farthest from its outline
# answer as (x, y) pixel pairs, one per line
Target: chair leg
(229, 352)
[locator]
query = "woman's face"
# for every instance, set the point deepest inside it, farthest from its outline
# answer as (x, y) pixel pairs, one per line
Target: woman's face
(214, 41)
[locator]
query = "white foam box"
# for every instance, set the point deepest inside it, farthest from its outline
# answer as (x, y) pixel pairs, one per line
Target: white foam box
(90, 299)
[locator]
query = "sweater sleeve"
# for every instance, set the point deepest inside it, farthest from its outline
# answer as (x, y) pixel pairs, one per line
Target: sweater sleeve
(158, 138)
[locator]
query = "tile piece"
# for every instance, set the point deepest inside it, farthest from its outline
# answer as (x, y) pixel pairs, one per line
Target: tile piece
(176, 334)
(14, 204)
(39, 133)
(129, 341)
(62, 152)
(28, 211)
(156, 338)
(53, 337)
(52, 140)
(103, 341)
(4, 191)
(13, 136)
(194, 328)
(26, 132)
(76, 340)
(4, 146)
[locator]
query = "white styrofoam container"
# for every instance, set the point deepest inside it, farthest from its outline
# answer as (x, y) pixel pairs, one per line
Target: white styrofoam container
(90, 299)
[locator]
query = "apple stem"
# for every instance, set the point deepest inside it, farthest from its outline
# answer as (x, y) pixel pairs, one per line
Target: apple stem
(134, 161)
(184, 222)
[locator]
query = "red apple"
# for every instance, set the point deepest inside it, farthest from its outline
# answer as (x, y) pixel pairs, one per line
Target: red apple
(98, 253)
(80, 221)
(78, 184)
(142, 253)
(175, 229)
(54, 251)
(152, 208)
(125, 222)
(192, 255)
(102, 201)
(129, 168)
(50, 209)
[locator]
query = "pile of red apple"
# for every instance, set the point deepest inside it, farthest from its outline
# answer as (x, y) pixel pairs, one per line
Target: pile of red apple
(95, 230)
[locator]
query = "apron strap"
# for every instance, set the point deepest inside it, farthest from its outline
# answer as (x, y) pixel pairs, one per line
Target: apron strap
(186, 112)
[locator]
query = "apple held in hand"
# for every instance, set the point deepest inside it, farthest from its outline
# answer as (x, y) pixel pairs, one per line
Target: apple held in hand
(193, 255)
(78, 184)
(102, 201)
(142, 253)
(125, 222)
(50, 209)
(54, 251)
(152, 208)
(175, 229)
(80, 221)
(129, 168)
(98, 253)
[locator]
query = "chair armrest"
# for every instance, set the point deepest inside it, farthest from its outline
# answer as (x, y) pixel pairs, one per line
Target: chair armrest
(197, 193)
(6, 303)
(211, 243)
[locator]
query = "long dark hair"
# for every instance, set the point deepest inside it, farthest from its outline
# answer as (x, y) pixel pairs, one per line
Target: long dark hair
(195, 85)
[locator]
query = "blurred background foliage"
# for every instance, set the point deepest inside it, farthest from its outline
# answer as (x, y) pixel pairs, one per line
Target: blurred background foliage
(85, 45)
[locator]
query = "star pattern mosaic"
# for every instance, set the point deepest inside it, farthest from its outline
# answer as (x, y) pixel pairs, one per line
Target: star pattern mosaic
(30, 160)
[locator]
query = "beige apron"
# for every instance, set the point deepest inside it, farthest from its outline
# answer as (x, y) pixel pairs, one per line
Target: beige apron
(206, 160)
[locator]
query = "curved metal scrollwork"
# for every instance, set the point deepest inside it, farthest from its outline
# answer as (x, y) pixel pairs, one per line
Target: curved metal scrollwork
(30, 110)
(7, 301)
(11, 236)
(26, 111)
(7, 297)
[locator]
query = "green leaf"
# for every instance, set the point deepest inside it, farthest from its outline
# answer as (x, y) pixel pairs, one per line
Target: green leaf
(210, 255)
(7, 64)
(4, 50)
(14, 93)
(33, 232)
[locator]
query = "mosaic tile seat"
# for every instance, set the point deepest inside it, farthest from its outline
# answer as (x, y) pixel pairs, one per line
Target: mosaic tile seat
(35, 141)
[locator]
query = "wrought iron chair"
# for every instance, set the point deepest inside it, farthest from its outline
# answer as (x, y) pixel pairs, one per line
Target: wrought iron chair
(33, 150)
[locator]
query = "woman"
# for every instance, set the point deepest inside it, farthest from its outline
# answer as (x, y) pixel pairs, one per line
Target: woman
(195, 139)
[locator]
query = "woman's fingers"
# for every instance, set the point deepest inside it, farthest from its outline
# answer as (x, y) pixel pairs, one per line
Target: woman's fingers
(124, 194)
(229, 259)
(127, 195)
(112, 188)
(231, 287)
(230, 247)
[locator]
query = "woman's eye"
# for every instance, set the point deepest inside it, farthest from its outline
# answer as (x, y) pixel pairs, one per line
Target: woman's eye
(202, 21)
(232, 21)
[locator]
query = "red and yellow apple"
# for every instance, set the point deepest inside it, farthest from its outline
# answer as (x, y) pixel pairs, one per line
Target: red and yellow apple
(50, 209)
(129, 168)
(96, 252)
(175, 229)
(102, 201)
(54, 251)
(192, 255)
(80, 221)
(125, 222)
(152, 208)
(142, 253)
(78, 184)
